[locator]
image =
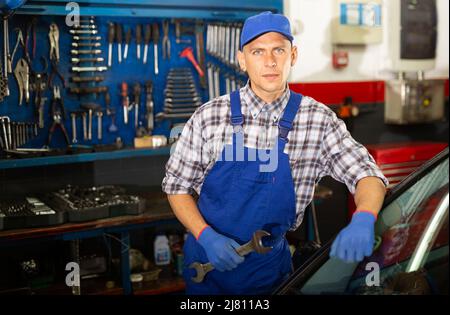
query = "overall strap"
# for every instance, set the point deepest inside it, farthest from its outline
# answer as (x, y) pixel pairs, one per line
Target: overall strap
(237, 119)
(285, 123)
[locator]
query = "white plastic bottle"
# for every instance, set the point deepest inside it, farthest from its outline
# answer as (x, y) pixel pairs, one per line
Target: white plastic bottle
(161, 250)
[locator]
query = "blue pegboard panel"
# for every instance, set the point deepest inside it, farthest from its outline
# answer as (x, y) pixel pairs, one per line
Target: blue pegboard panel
(130, 70)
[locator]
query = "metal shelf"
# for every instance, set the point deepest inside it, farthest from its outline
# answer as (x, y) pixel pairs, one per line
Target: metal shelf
(82, 157)
(205, 9)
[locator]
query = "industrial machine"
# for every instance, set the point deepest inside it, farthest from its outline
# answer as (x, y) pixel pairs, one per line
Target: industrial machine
(411, 98)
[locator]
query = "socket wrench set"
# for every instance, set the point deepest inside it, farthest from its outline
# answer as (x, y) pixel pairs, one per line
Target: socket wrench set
(28, 212)
(93, 203)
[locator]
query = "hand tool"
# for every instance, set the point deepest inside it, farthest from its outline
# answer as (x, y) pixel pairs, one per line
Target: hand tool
(6, 125)
(187, 53)
(58, 114)
(85, 134)
(90, 107)
(88, 38)
(87, 21)
(86, 44)
(138, 40)
(73, 115)
(147, 36)
(19, 41)
(233, 48)
(99, 124)
(77, 32)
(227, 84)
(149, 105)
(80, 60)
(255, 244)
(127, 43)
(87, 79)
(119, 41)
(54, 72)
(155, 34)
(88, 90)
(216, 71)
(86, 52)
(178, 31)
(166, 40)
(199, 30)
(111, 36)
(38, 84)
(211, 94)
(22, 75)
(233, 83)
(162, 115)
(125, 101)
(89, 26)
(110, 112)
(182, 100)
(136, 102)
(89, 69)
(53, 37)
(6, 53)
(4, 73)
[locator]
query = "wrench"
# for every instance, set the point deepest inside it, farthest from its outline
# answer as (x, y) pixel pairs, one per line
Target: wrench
(255, 244)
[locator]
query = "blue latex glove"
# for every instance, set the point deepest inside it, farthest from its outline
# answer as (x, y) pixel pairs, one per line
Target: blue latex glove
(356, 240)
(220, 250)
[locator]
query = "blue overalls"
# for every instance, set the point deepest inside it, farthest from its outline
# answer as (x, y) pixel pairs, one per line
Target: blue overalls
(237, 199)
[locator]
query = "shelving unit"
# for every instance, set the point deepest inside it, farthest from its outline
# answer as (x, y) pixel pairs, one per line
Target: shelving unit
(129, 13)
(82, 157)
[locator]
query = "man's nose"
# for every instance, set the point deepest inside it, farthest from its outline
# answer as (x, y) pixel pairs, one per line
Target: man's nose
(270, 61)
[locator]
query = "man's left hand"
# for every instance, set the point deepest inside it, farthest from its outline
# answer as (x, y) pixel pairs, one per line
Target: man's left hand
(356, 240)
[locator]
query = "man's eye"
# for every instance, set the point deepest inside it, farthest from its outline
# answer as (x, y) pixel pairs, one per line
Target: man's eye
(257, 52)
(279, 50)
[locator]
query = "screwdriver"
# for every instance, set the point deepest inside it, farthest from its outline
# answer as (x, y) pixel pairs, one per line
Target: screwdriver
(155, 32)
(125, 101)
(138, 40)
(127, 42)
(119, 41)
(147, 35)
(111, 32)
(112, 128)
(137, 96)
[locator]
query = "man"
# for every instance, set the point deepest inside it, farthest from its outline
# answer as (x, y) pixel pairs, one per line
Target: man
(221, 155)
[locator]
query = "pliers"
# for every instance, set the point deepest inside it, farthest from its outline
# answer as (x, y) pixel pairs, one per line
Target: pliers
(53, 36)
(22, 75)
(166, 40)
(58, 114)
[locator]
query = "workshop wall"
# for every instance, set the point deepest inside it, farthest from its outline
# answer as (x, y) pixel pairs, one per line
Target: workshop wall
(311, 20)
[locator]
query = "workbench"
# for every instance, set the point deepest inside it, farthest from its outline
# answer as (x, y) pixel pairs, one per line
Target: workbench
(157, 212)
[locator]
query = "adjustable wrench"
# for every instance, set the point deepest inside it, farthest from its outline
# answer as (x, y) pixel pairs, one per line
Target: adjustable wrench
(255, 244)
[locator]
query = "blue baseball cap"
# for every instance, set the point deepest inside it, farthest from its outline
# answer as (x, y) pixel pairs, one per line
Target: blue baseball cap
(264, 22)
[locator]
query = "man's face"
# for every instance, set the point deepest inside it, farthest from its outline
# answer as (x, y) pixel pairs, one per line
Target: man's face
(267, 60)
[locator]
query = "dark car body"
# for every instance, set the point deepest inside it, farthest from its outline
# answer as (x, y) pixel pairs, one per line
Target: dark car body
(411, 250)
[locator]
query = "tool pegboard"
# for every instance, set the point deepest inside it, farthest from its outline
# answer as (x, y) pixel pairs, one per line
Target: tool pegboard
(189, 28)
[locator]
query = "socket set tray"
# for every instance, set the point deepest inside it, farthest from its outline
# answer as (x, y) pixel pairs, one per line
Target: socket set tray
(28, 212)
(93, 203)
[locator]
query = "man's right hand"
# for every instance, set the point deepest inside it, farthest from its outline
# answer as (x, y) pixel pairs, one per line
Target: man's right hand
(220, 250)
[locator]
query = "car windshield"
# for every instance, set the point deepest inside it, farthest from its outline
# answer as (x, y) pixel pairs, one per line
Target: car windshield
(411, 249)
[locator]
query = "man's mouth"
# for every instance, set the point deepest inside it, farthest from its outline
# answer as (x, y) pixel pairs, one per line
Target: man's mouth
(271, 76)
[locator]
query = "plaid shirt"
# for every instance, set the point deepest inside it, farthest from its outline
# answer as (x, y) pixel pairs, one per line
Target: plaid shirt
(319, 145)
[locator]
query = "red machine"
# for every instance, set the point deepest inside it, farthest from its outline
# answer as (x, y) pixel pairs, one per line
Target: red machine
(398, 160)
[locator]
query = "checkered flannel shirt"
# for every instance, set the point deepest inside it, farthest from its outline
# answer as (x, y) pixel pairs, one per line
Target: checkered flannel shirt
(319, 145)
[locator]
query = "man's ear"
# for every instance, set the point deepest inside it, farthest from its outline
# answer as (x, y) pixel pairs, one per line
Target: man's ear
(294, 55)
(241, 60)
